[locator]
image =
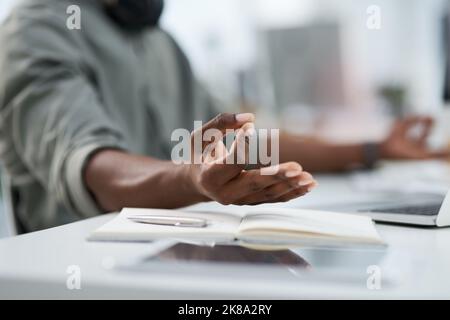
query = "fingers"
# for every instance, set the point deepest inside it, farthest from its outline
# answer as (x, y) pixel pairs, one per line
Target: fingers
(424, 123)
(296, 193)
(215, 176)
(229, 121)
(225, 166)
(415, 120)
(282, 191)
(205, 141)
(406, 125)
(239, 152)
(214, 152)
(427, 126)
(220, 124)
(209, 150)
(250, 182)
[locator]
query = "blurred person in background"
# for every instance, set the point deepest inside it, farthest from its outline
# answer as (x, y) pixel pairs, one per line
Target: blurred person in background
(86, 118)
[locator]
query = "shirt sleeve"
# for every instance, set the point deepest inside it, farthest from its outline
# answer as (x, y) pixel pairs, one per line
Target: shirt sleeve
(52, 118)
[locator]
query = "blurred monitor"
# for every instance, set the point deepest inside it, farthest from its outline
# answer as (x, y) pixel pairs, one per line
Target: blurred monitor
(446, 46)
(444, 119)
(306, 65)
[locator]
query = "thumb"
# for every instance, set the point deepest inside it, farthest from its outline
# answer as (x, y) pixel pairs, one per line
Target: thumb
(226, 121)
(221, 123)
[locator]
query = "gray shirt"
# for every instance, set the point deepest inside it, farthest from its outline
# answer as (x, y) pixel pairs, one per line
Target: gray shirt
(66, 93)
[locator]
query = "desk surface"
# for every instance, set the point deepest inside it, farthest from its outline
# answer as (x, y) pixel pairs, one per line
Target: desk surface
(35, 265)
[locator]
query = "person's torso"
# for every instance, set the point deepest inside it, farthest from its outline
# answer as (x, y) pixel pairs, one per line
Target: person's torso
(144, 83)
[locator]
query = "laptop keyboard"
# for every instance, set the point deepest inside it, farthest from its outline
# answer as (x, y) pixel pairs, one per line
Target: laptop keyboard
(423, 210)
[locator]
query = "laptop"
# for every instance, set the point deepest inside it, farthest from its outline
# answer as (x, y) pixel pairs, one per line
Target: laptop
(422, 209)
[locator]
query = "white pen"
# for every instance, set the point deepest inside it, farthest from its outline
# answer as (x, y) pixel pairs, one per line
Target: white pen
(183, 222)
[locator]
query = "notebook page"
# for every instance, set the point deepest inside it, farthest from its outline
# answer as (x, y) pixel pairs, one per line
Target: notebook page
(221, 227)
(299, 222)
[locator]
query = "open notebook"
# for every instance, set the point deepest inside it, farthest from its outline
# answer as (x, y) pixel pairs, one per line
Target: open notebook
(258, 227)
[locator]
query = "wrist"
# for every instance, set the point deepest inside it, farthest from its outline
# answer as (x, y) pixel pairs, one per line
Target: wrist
(118, 180)
(189, 184)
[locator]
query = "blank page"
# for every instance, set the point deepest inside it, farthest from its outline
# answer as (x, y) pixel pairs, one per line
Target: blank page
(298, 223)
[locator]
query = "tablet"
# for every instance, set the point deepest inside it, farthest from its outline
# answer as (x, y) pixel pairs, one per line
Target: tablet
(232, 260)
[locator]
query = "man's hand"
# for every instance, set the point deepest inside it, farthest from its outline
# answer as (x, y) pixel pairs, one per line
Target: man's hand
(118, 179)
(402, 143)
(217, 179)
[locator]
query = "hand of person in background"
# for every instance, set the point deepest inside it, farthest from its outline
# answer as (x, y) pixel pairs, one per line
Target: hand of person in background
(227, 182)
(403, 142)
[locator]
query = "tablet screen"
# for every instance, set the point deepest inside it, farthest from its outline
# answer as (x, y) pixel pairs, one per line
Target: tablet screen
(230, 254)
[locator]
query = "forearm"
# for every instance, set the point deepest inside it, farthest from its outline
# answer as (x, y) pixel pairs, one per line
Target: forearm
(319, 156)
(117, 179)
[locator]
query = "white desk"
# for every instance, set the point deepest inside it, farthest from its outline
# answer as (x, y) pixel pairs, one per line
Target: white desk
(34, 265)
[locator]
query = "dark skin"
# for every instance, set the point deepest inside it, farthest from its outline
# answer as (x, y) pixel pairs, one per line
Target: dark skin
(118, 179)
(320, 156)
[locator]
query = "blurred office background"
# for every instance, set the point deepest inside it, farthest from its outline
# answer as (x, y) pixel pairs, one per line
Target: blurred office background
(314, 66)
(294, 61)
(308, 65)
